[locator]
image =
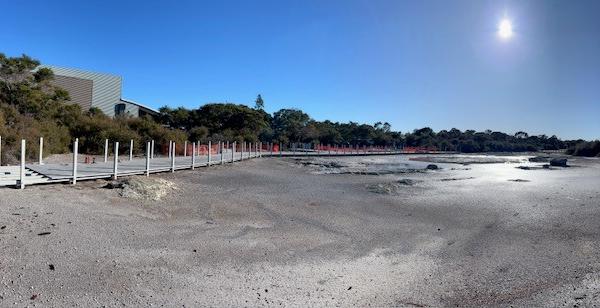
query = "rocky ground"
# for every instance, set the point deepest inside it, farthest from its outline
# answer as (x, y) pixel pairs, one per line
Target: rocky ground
(270, 232)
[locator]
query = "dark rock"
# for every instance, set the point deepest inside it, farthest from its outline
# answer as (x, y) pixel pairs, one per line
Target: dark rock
(44, 233)
(432, 167)
(539, 159)
(558, 162)
(113, 185)
(51, 267)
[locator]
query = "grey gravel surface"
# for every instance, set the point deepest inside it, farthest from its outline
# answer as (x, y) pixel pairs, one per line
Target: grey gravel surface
(271, 232)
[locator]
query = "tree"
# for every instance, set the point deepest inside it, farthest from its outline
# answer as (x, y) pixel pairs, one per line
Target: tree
(259, 104)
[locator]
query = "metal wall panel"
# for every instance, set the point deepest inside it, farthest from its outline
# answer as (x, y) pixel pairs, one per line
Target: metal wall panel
(80, 90)
(106, 91)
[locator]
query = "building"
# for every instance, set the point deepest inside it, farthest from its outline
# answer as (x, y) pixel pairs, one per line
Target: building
(103, 91)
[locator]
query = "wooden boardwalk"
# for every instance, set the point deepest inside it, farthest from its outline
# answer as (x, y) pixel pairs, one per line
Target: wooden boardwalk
(54, 173)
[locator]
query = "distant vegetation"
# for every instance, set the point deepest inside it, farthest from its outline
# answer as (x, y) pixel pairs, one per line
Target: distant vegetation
(31, 107)
(585, 148)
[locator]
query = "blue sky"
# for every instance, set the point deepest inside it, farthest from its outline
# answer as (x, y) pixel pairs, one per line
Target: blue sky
(411, 63)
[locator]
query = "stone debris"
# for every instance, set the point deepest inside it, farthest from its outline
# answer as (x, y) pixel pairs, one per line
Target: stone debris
(144, 188)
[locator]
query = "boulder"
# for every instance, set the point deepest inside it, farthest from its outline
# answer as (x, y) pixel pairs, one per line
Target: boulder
(432, 167)
(558, 162)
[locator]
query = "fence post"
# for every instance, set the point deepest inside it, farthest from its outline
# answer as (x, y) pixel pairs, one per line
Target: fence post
(75, 161)
(209, 152)
(221, 143)
(193, 154)
(185, 149)
(173, 156)
(0, 150)
(22, 171)
(148, 156)
(41, 150)
(131, 149)
(105, 150)
(233, 152)
(170, 148)
(116, 161)
(152, 149)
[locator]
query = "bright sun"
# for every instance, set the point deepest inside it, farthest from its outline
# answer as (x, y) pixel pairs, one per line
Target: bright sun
(505, 29)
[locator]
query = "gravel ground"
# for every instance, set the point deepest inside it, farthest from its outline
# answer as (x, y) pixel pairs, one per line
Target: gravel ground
(273, 232)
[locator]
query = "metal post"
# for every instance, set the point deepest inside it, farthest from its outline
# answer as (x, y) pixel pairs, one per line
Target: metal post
(148, 156)
(152, 149)
(131, 149)
(41, 150)
(209, 150)
(193, 154)
(170, 148)
(185, 149)
(221, 147)
(0, 150)
(75, 161)
(105, 150)
(22, 171)
(173, 157)
(116, 161)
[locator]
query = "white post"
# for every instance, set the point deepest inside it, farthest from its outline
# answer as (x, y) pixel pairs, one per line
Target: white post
(148, 156)
(22, 173)
(116, 161)
(131, 149)
(41, 150)
(170, 148)
(232, 152)
(185, 149)
(105, 150)
(152, 149)
(221, 143)
(193, 154)
(75, 152)
(0, 150)
(209, 150)
(173, 157)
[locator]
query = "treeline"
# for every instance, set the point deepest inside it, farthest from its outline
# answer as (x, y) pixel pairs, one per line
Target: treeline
(30, 107)
(239, 122)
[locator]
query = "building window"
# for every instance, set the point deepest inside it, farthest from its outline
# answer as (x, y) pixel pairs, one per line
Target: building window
(119, 109)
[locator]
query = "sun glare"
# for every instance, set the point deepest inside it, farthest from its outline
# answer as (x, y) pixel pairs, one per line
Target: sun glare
(505, 30)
